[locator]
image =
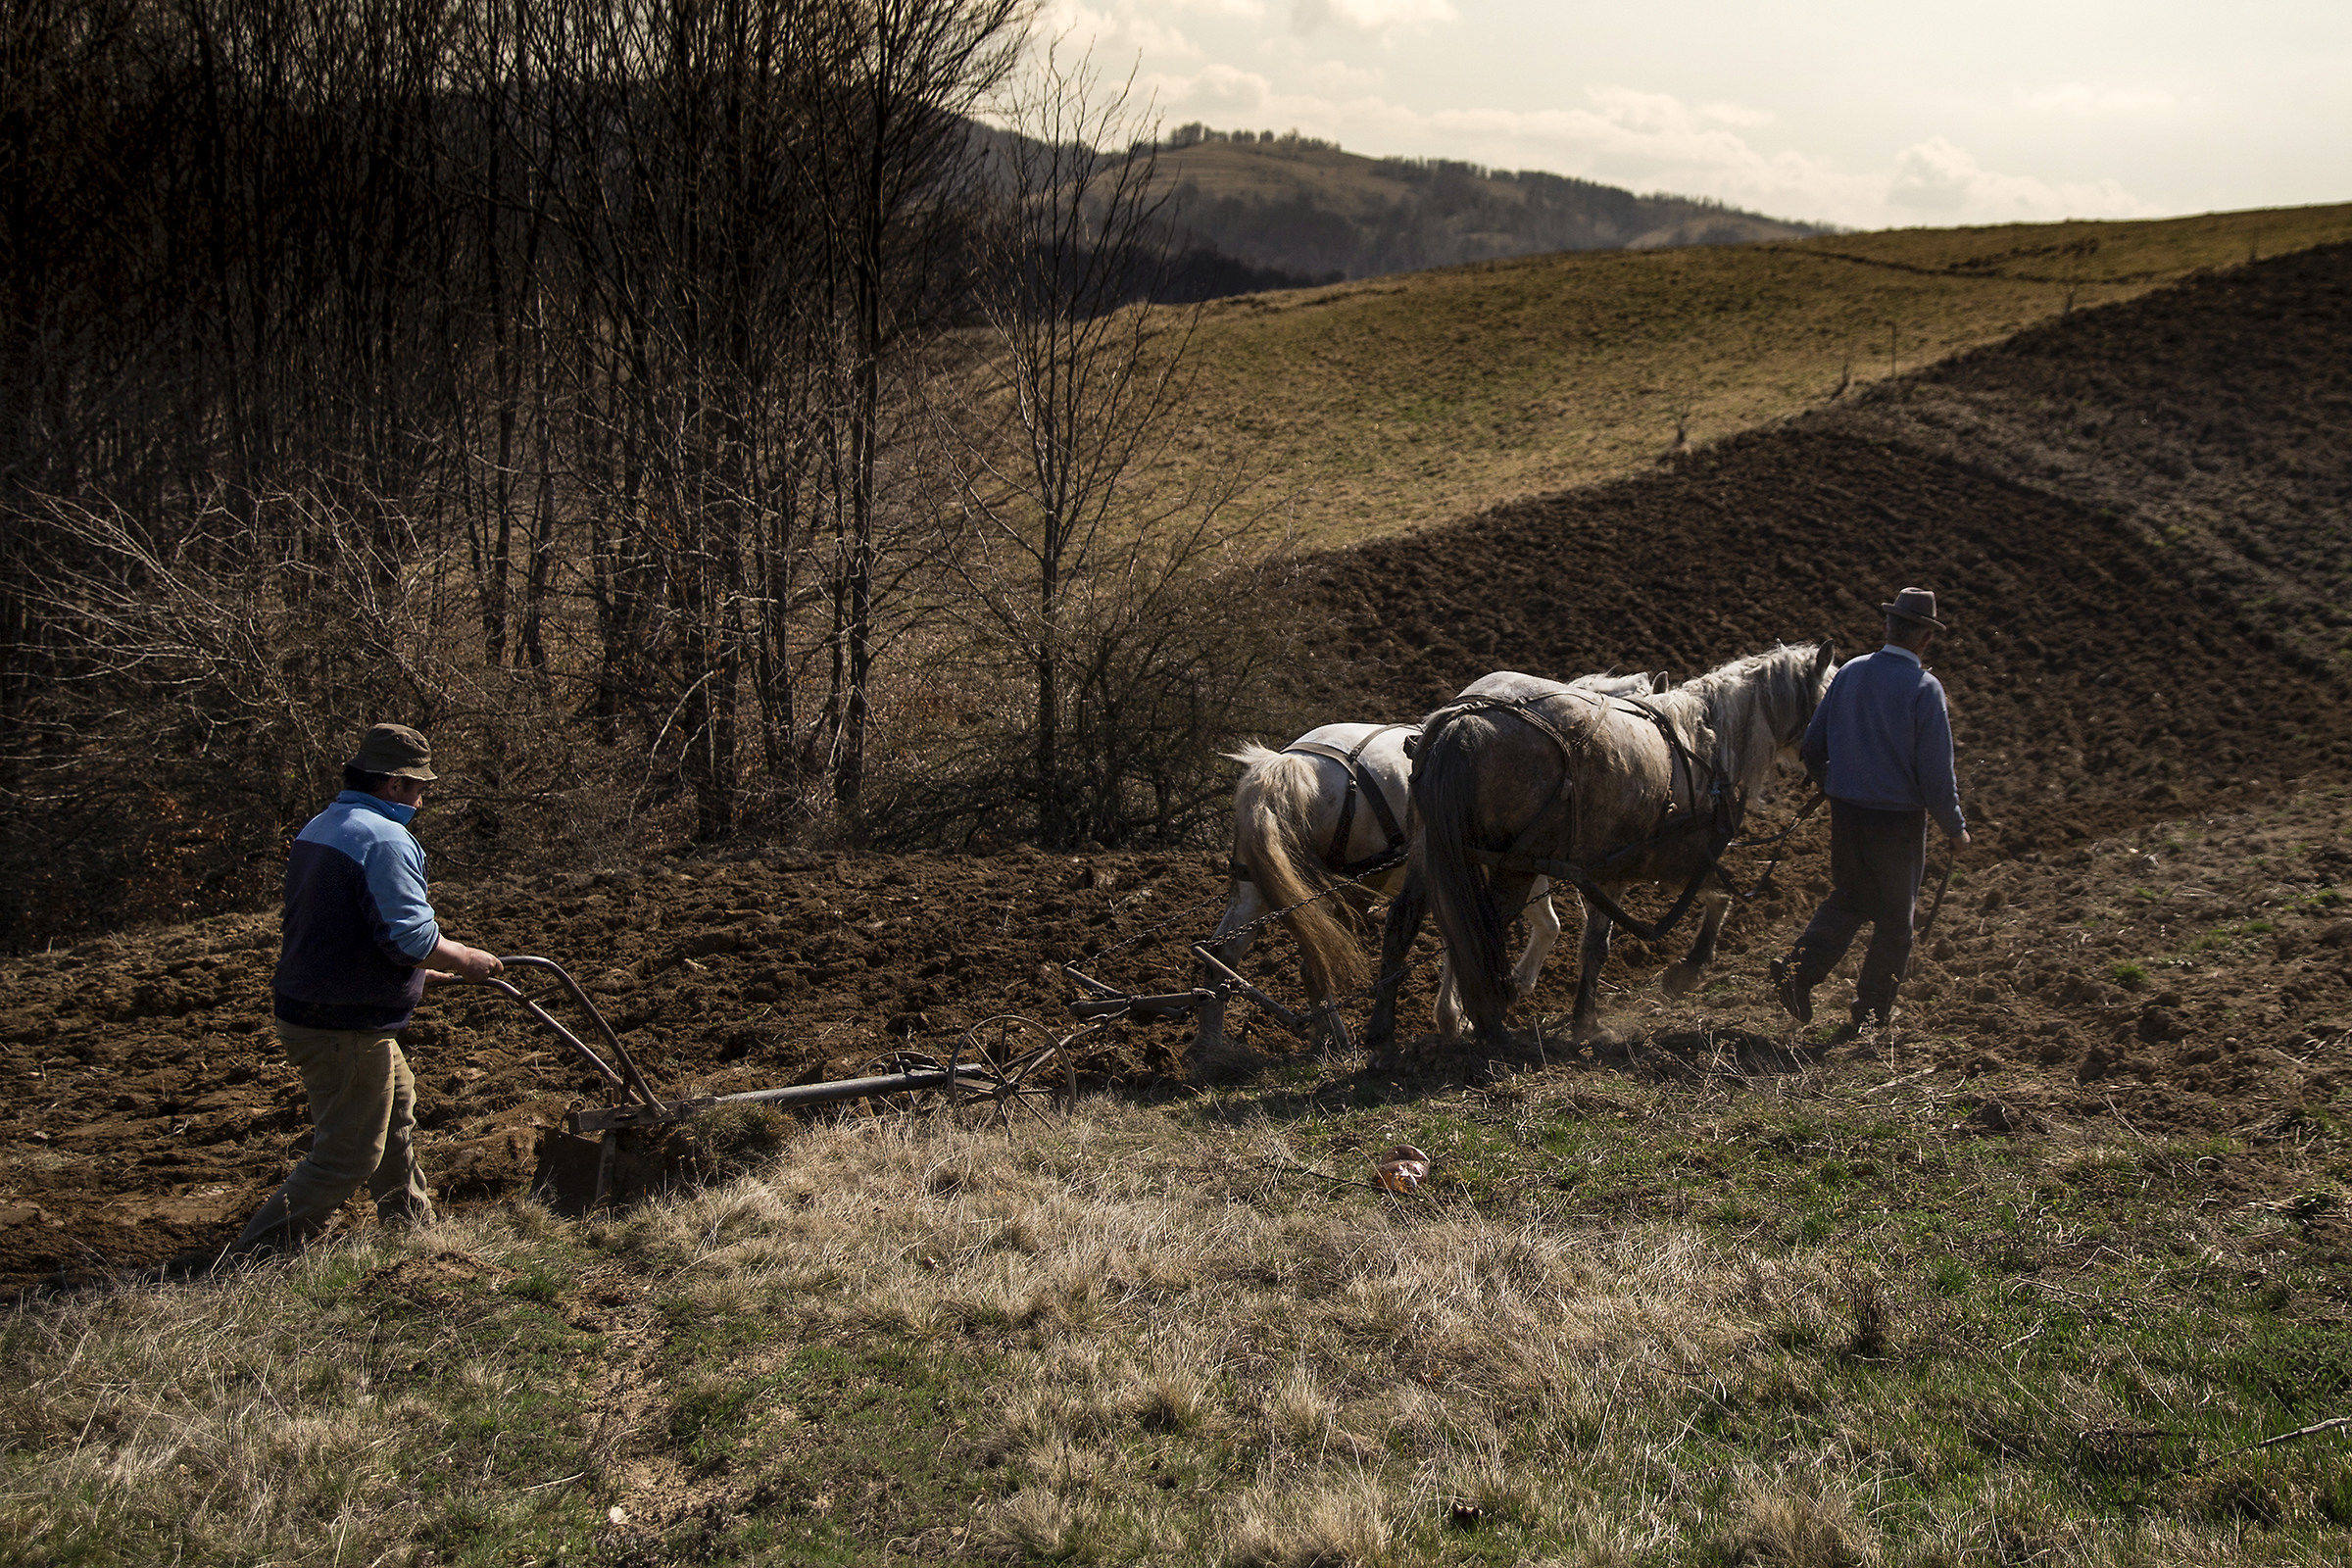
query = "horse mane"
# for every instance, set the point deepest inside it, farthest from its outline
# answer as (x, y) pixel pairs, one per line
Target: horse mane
(1734, 699)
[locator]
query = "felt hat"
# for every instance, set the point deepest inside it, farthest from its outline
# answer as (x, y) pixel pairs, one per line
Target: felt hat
(397, 749)
(1915, 604)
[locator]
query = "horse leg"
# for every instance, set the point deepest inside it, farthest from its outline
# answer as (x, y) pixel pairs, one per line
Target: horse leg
(1595, 953)
(1395, 941)
(1543, 930)
(1511, 890)
(1452, 1019)
(1682, 977)
(1208, 1042)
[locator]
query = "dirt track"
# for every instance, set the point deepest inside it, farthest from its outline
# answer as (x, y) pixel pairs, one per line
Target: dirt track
(2154, 931)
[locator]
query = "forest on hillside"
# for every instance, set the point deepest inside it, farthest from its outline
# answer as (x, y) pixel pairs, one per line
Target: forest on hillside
(672, 408)
(1312, 210)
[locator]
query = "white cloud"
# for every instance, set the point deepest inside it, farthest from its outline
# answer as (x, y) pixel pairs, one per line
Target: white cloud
(1123, 32)
(1939, 180)
(1336, 78)
(1367, 15)
(1735, 115)
(1210, 91)
(2087, 102)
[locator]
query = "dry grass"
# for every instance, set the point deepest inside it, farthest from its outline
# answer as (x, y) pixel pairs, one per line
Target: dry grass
(1135, 1339)
(239, 1420)
(1391, 404)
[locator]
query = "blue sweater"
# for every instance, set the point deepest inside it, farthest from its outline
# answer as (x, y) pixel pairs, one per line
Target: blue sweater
(357, 923)
(1883, 739)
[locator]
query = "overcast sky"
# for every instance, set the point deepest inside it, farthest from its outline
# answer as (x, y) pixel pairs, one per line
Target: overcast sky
(1873, 115)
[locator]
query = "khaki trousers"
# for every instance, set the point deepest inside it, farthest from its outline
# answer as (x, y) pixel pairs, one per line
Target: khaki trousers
(363, 1125)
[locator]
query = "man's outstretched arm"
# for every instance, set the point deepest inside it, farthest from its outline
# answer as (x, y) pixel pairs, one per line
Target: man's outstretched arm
(456, 960)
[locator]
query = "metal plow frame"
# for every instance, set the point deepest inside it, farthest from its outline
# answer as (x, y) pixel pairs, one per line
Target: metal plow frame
(1008, 1063)
(1108, 1003)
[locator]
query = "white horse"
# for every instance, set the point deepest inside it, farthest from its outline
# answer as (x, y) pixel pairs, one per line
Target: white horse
(1523, 780)
(1334, 803)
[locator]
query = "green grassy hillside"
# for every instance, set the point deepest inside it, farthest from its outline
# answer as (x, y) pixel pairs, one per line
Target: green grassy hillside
(1742, 1320)
(1385, 405)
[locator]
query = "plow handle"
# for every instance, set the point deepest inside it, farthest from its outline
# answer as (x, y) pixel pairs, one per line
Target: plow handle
(629, 1078)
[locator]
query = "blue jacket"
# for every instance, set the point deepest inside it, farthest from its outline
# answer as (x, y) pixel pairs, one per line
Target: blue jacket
(357, 923)
(1883, 739)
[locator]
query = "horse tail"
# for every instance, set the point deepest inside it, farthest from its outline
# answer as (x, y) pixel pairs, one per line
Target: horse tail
(1272, 811)
(1445, 795)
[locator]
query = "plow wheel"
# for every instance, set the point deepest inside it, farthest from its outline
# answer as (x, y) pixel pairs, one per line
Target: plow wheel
(1017, 1066)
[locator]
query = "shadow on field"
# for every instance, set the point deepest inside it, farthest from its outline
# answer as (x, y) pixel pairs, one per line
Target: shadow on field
(1429, 1066)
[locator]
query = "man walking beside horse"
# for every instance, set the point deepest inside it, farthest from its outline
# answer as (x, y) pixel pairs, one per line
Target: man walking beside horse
(1879, 747)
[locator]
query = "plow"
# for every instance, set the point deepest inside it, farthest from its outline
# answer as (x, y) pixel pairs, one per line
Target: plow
(1107, 1003)
(1008, 1068)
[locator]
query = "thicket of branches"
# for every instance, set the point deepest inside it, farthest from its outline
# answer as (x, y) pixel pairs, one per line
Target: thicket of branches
(1110, 630)
(554, 375)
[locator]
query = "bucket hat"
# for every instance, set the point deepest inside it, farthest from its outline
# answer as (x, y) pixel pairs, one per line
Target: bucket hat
(397, 749)
(1915, 604)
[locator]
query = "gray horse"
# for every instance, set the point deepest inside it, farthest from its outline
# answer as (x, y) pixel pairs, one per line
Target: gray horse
(1295, 829)
(1531, 777)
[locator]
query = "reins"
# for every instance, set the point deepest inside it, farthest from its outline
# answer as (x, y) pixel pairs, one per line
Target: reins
(1779, 848)
(1944, 885)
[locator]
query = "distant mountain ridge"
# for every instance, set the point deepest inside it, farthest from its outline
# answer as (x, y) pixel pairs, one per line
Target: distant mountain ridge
(1304, 206)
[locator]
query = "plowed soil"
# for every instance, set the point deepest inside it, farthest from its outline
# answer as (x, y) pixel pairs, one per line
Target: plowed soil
(2152, 740)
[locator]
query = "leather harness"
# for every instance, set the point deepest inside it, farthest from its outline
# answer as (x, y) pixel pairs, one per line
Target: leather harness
(1724, 818)
(1359, 782)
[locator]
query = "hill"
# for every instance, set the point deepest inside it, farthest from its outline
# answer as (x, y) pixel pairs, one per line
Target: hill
(1383, 406)
(1307, 206)
(2108, 504)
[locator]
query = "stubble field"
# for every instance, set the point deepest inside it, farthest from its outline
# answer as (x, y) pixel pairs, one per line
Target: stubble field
(1398, 403)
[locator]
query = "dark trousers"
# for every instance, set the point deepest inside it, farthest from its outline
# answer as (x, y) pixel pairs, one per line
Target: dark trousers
(1876, 861)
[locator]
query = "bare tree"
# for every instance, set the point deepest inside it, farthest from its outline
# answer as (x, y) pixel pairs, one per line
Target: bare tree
(898, 114)
(1125, 603)
(589, 334)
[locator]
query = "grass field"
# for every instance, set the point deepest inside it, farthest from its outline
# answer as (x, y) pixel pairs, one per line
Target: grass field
(1707, 1302)
(1714, 1311)
(1385, 405)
